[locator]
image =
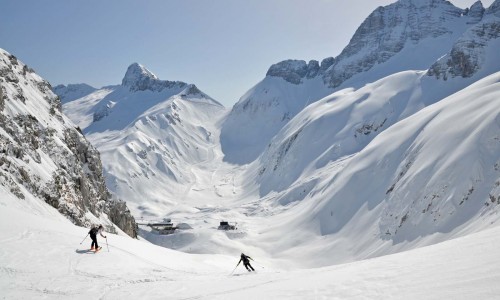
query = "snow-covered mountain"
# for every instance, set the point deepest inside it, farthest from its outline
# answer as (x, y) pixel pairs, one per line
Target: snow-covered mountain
(430, 176)
(405, 35)
(151, 133)
(72, 92)
(46, 165)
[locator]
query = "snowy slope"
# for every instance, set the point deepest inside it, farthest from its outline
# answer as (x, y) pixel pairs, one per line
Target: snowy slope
(262, 112)
(406, 35)
(429, 177)
(43, 258)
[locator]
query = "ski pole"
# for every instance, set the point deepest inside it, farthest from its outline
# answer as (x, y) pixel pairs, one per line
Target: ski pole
(84, 238)
(234, 269)
(107, 243)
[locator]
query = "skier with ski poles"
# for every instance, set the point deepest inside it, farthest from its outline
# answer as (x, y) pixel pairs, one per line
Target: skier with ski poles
(246, 262)
(93, 235)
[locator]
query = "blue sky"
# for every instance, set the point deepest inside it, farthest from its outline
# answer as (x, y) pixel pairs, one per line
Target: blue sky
(222, 46)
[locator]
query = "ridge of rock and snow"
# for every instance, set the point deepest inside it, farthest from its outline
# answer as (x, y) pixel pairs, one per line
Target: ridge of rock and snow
(44, 161)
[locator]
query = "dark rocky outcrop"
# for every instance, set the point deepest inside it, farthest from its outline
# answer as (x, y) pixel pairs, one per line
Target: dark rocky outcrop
(467, 55)
(43, 157)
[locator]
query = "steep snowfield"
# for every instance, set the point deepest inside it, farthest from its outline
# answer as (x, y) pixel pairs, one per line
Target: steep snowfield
(81, 111)
(262, 112)
(42, 258)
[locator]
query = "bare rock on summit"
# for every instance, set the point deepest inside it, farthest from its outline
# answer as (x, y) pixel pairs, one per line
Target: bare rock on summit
(467, 55)
(138, 78)
(294, 71)
(476, 12)
(385, 33)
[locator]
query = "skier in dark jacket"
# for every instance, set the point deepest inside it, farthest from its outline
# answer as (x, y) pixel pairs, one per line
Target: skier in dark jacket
(93, 235)
(246, 262)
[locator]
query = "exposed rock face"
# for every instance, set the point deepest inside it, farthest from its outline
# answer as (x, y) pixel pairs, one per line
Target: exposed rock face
(386, 31)
(294, 71)
(101, 112)
(475, 13)
(494, 9)
(383, 34)
(468, 54)
(42, 156)
(389, 29)
(138, 78)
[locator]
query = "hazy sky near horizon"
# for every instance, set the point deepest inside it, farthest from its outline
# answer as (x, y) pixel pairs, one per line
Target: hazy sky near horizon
(223, 46)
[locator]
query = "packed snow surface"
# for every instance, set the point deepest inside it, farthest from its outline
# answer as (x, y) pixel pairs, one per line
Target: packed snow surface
(43, 258)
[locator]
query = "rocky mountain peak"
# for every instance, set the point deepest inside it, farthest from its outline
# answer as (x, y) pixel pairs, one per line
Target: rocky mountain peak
(137, 74)
(294, 71)
(469, 53)
(383, 34)
(494, 8)
(387, 30)
(139, 78)
(475, 12)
